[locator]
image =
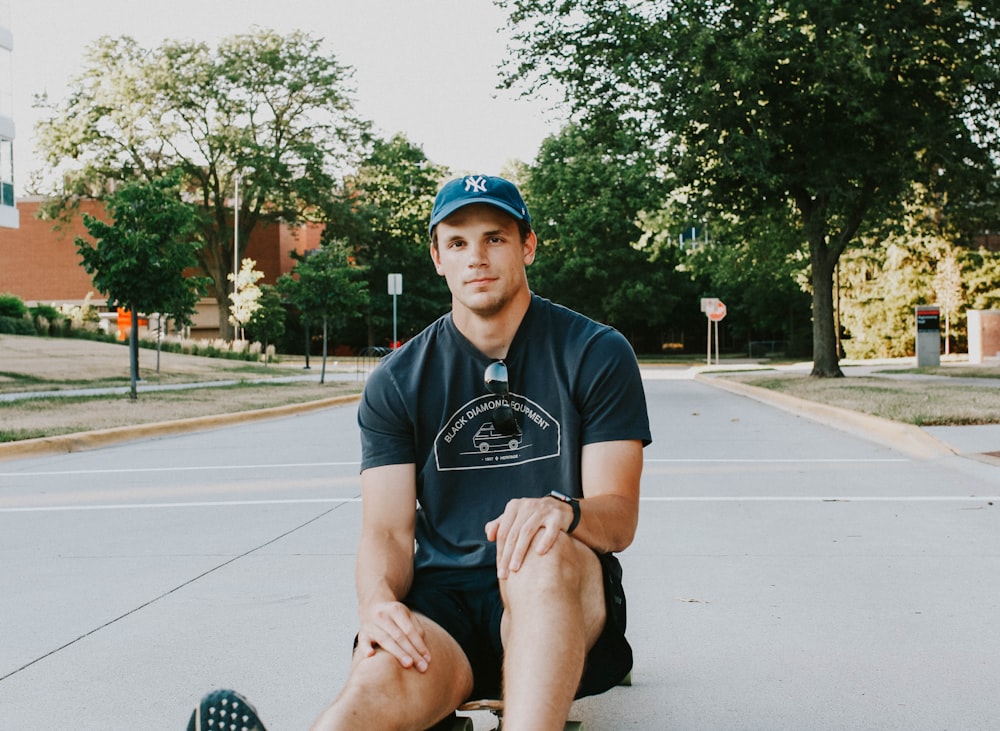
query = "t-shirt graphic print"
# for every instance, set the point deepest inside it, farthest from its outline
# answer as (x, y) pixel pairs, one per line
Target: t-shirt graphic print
(470, 441)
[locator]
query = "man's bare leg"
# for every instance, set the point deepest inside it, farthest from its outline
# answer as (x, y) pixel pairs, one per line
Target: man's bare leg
(380, 694)
(554, 612)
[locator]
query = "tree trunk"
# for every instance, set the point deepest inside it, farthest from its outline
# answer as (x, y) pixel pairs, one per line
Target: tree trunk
(305, 322)
(133, 354)
(322, 373)
(216, 260)
(826, 360)
(227, 330)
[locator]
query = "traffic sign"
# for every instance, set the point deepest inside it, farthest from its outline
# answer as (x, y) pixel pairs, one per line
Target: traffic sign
(715, 310)
(395, 284)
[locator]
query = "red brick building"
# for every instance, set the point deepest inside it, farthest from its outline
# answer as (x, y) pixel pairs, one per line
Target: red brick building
(39, 263)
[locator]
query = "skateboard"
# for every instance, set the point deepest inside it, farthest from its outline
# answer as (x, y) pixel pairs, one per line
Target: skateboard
(464, 723)
(495, 706)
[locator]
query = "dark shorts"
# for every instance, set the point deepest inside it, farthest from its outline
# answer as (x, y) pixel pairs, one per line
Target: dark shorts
(467, 604)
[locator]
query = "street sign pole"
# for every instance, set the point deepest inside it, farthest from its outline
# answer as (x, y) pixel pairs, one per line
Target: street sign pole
(715, 310)
(708, 360)
(716, 341)
(395, 289)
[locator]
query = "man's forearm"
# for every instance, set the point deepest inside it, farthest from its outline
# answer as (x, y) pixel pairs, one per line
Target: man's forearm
(384, 571)
(607, 522)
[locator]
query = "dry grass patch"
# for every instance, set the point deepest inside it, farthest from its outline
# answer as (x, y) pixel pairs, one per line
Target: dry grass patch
(59, 364)
(40, 417)
(920, 401)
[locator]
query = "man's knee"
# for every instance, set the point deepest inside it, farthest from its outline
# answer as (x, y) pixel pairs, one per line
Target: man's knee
(565, 567)
(380, 679)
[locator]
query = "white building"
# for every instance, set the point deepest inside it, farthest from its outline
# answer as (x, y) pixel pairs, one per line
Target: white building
(8, 211)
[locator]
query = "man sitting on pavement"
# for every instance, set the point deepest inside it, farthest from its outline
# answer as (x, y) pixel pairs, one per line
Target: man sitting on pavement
(501, 460)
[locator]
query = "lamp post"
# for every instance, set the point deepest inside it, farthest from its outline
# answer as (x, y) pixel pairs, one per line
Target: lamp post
(236, 244)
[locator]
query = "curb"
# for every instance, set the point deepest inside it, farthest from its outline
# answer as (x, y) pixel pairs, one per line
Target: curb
(84, 441)
(907, 438)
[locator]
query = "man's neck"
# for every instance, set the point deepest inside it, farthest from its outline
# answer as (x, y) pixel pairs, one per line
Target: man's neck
(492, 335)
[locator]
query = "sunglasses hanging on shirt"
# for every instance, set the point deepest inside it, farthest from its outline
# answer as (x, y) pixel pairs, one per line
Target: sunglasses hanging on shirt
(498, 383)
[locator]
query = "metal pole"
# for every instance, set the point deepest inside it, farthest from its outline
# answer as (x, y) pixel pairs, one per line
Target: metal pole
(836, 309)
(716, 342)
(394, 339)
(236, 245)
(708, 319)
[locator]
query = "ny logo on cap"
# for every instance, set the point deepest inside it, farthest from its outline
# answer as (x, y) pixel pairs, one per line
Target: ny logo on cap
(475, 184)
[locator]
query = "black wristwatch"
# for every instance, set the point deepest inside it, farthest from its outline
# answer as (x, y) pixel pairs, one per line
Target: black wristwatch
(573, 503)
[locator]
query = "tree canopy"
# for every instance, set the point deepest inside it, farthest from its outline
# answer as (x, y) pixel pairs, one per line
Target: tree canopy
(324, 286)
(139, 260)
(274, 110)
(382, 214)
(824, 111)
(586, 197)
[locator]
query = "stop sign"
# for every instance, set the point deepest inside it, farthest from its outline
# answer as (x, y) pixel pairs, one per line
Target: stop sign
(718, 312)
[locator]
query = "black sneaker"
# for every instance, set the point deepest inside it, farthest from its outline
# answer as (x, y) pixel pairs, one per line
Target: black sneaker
(224, 710)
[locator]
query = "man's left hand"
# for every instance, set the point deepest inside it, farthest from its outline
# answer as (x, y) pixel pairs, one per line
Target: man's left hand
(527, 523)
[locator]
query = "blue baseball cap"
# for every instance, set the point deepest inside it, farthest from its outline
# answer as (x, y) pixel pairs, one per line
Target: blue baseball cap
(493, 191)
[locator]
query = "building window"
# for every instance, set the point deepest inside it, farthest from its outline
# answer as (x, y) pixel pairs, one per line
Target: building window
(6, 173)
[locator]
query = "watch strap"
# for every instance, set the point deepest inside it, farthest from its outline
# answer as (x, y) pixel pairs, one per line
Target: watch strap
(573, 503)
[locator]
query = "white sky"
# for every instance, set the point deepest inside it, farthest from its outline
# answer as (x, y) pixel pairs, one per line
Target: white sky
(427, 68)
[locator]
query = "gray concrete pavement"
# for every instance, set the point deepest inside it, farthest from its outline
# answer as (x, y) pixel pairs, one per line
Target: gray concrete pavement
(787, 574)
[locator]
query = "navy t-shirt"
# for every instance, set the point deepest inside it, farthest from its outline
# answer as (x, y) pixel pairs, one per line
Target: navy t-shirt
(572, 382)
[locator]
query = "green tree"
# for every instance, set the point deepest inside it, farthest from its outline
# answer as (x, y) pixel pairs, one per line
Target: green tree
(271, 111)
(267, 323)
(325, 287)
(586, 193)
(757, 273)
(140, 258)
(881, 284)
(981, 276)
(827, 108)
(383, 213)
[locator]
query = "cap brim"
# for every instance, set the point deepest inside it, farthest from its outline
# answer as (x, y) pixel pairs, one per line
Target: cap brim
(456, 205)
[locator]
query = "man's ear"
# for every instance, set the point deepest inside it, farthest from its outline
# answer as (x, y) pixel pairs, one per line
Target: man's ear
(530, 247)
(436, 258)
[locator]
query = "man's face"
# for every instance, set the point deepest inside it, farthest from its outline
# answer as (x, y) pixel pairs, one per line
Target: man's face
(480, 254)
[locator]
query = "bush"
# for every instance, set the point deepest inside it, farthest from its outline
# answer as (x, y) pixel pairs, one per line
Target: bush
(46, 319)
(218, 348)
(16, 326)
(12, 306)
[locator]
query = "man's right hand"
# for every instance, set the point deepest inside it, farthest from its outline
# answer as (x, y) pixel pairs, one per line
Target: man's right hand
(390, 626)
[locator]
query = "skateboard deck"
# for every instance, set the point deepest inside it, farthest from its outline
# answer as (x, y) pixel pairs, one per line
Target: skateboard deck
(494, 706)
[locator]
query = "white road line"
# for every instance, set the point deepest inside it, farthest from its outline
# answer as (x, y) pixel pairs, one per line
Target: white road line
(306, 465)
(826, 499)
(167, 506)
(650, 499)
(184, 468)
(803, 460)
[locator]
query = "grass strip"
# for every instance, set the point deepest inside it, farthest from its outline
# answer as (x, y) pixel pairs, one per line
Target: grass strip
(921, 402)
(42, 417)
